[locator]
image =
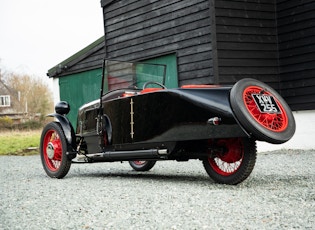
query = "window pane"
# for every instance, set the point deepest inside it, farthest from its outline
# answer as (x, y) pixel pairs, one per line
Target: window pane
(5, 100)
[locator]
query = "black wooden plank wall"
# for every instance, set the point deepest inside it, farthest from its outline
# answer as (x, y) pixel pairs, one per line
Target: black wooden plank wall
(138, 30)
(296, 28)
(247, 40)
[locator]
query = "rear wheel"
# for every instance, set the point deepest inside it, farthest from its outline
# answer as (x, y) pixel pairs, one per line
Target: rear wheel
(53, 148)
(142, 165)
(231, 160)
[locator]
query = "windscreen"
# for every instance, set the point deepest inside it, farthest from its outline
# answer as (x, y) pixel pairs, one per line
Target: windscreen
(120, 75)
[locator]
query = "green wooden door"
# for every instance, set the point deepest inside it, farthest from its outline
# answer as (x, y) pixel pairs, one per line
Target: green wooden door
(78, 89)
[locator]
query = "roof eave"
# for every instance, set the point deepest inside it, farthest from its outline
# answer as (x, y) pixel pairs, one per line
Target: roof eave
(75, 58)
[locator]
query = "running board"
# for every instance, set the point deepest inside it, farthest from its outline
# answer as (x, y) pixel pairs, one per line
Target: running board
(110, 156)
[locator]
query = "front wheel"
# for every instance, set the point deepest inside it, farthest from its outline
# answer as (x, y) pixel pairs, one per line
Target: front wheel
(142, 165)
(230, 161)
(53, 149)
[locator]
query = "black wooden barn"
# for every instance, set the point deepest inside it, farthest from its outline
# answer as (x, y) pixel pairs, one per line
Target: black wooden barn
(211, 42)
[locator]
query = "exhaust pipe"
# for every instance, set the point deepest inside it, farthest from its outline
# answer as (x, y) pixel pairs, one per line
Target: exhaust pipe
(129, 155)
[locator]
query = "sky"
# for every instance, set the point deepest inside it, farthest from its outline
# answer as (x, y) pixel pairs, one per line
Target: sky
(36, 35)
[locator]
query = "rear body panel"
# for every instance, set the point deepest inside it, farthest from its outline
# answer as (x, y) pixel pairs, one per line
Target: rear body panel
(151, 120)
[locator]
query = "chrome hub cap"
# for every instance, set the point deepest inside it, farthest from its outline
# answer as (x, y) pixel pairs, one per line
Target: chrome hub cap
(50, 150)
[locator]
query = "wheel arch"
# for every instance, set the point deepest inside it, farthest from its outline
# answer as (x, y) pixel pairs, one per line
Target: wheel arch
(67, 129)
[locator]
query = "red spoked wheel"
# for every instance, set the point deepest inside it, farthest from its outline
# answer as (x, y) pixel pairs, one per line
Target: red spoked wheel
(142, 165)
(53, 147)
(228, 162)
(262, 111)
(231, 160)
(274, 118)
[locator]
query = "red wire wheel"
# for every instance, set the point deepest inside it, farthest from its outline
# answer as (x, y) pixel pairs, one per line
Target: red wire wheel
(276, 120)
(140, 165)
(228, 162)
(52, 150)
(53, 147)
(231, 160)
(261, 111)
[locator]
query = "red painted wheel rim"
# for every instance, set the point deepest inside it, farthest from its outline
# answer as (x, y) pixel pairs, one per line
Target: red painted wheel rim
(140, 163)
(276, 122)
(52, 142)
(229, 162)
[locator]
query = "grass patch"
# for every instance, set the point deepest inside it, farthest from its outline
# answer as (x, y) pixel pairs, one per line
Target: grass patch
(19, 142)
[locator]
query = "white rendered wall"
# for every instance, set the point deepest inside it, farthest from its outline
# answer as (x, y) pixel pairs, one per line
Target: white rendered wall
(304, 137)
(56, 90)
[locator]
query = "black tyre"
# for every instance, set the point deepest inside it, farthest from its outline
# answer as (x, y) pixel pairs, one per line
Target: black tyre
(142, 165)
(53, 148)
(233, 165)
(262, 111)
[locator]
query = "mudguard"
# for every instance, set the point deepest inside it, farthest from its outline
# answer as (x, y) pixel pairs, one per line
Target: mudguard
(67, 129)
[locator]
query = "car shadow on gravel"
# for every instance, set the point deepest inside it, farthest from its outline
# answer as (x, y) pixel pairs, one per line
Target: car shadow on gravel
(257, 181)
(276, 180)
(131, 175)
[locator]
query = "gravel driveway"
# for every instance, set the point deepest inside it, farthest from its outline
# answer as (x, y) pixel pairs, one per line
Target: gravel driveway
(279, 194)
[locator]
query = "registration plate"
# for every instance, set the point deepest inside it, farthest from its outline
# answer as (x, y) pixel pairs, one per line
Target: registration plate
(266, 103)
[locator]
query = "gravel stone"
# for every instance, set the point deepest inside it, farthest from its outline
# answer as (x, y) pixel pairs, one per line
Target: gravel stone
(279, 194)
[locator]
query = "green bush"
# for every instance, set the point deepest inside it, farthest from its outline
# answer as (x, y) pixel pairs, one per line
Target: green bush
(29, 125)
(6, 122)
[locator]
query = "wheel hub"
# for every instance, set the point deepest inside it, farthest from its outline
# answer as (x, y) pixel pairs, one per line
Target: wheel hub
(50, 150)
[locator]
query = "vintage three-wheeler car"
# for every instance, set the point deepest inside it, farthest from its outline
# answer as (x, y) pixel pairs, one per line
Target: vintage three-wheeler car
(140, 121)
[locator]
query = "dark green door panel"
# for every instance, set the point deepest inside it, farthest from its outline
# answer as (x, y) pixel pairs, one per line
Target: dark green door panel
(78, 89)
(170, 61)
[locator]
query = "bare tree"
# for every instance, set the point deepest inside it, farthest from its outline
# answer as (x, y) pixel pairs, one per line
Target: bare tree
(35, 96)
